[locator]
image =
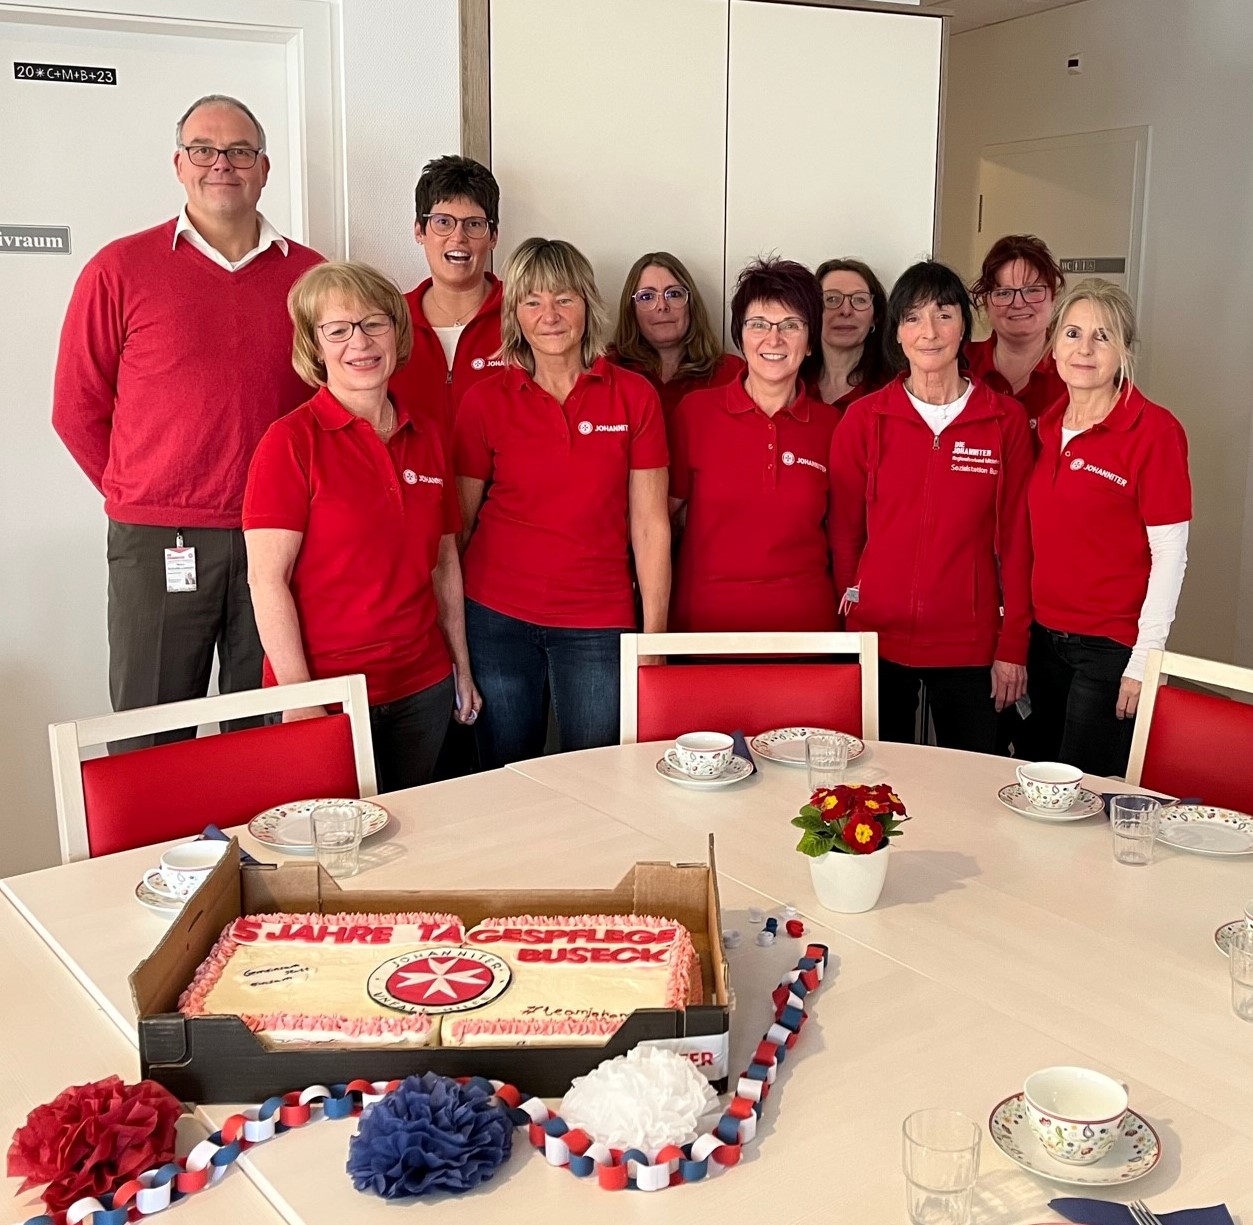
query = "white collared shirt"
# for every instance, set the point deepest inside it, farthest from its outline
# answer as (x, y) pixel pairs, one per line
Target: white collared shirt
(266, 237)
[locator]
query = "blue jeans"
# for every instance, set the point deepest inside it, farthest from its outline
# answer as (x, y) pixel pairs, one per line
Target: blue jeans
(518, 664)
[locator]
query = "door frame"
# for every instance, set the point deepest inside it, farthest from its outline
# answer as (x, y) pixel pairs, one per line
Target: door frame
(307, 29)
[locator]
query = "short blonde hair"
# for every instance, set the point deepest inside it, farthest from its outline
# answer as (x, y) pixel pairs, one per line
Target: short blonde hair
(550, 265)
(1117, 315)
(350, 281)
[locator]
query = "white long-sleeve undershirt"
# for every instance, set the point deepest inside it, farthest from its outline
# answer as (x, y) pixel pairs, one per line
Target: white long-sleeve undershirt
(1168, 551)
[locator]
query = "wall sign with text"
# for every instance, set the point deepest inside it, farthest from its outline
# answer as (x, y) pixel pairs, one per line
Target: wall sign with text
(64, 74)
(21, 239)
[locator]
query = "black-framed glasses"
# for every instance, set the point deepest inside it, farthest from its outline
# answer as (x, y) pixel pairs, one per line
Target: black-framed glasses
(339, 330)
(444, 224)
(649, 299)
(787, 327)
(239, 156)
(859, 301)
(1032, 295)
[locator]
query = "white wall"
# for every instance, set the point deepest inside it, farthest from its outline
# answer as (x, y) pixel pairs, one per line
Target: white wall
(1185, 68)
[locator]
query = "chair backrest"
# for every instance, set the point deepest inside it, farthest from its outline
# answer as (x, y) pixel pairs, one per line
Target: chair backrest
(1194, 744)
(114, 803)
(750, 695)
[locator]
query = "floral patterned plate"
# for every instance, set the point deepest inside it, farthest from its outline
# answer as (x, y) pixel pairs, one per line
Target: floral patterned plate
(1207, 830)
(786, 745)
(158, 903)
(289, 826)
(1135, 1152)
(1087, 804)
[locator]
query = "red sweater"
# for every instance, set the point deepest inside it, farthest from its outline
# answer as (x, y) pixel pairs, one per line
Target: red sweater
(424, 385)
(932, 531)
(170, 369)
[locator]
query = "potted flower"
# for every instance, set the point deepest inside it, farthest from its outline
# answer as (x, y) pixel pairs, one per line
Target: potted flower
(847, 832)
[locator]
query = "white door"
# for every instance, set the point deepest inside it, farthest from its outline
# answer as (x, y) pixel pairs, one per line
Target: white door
(1083, 194)
(95, 158)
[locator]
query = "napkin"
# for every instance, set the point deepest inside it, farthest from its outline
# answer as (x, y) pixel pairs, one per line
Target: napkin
(216, 835)
(739, 748)
(1103, 1212)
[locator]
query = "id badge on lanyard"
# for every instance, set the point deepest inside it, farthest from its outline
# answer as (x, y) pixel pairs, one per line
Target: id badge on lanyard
(180, 566)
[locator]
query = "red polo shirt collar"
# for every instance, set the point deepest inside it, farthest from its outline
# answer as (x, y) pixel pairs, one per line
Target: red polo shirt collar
(739, 401)
(1127, 410)
(330, 414)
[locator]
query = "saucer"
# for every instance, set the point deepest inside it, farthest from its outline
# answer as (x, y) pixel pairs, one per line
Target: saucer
(1087, 804)
(158, 903)
(1222, 937)
(738, 770)
(1135, 1152)
(1207, 830)
(786, 745)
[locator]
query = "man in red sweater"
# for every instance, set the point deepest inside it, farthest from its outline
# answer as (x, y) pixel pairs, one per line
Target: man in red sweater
(175, 357)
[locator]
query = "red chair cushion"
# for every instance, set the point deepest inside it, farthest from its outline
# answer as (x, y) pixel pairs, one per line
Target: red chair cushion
(747, 697)
(174, 790)
(1201, 745)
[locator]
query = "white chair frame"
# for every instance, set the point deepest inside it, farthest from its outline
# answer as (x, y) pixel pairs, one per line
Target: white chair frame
(67, 740)
(1160, 667)
(864, 646)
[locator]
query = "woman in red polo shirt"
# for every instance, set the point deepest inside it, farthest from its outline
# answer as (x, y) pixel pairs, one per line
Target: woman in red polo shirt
(748, 471)
(854, 310)
(1110, 502)
(561, 470)
(350, 520)
(1016, 287)
(664, 331)
(929, 524)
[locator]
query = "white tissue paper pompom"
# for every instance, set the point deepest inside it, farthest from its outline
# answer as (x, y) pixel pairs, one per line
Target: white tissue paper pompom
(646, 1099)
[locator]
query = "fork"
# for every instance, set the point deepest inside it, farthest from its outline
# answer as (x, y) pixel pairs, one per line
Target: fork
(1141, 1214)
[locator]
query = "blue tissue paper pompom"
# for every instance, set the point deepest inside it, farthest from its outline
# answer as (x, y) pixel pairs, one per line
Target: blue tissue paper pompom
(429, 1134)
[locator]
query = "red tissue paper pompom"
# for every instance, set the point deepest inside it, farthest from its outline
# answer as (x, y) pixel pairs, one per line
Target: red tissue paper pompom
(93, 1138)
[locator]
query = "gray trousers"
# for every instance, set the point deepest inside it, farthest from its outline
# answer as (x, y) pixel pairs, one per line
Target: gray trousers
(161, 644)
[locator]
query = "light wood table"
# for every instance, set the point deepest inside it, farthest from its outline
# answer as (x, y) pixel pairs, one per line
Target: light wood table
(1000, 945)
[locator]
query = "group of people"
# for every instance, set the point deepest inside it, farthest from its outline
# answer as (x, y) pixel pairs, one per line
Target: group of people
(493, 479)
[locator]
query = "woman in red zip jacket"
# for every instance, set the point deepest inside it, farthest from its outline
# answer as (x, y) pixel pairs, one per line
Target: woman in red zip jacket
(928, 523)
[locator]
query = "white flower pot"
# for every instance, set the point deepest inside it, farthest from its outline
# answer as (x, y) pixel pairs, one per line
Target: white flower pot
(849, 883)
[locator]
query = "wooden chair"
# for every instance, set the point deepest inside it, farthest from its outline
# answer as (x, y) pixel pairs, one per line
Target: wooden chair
(1187, 743)
(109, 804)
(725, 695)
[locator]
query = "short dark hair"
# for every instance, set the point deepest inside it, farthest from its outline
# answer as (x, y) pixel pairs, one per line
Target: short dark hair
(872, 366)
(446, 178)
(1031, 250)
(925, 283)
(785, 281)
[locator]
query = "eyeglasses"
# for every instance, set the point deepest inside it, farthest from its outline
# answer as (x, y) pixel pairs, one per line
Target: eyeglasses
(206, 155)
(445, 223)
(676, 295)
(339, 330)
(1032, 295)
(787, 327)
(833, 300)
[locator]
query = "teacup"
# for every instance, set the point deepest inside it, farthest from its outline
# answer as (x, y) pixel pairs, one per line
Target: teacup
(1076, 1113)
(1051, 786)
(185, 868)
(701, 754)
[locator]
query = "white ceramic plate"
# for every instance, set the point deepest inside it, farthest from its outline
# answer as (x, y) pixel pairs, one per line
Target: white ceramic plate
(158, 903)
(289, 826)
(1207, 830)
(738, 770)
(1087, 804)
(1135, 1152)
(1222, 937)
(786, 745)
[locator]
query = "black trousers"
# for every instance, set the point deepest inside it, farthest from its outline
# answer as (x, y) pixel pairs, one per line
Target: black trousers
(408, 735)
(161, 644)
(1073, 681)
(961, 705)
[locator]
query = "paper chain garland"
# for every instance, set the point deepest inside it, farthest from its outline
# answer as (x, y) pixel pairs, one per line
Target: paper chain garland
(615, 1169)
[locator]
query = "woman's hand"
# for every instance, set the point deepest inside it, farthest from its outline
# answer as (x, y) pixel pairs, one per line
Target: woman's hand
(469, 700)
(1009, 683)
(303, 712)
(1128, 698)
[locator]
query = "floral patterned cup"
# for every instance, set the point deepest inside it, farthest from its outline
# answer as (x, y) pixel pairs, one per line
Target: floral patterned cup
(1050, 786)
(1076, 1112)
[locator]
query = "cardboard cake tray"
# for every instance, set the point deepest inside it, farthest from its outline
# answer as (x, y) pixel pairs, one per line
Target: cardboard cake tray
(218, 1059)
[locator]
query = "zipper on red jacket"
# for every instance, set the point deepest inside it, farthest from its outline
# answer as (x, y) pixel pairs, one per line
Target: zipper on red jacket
(915, 602)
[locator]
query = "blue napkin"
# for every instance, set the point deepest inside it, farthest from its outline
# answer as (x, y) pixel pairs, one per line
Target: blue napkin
(740, 748)
(1104, 1212)
(216, 835)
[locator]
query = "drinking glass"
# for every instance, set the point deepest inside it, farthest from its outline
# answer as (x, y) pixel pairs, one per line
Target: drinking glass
(1135, 820)
(337, 837)
(941, 1161)
(1240, 963)
(826, 757)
